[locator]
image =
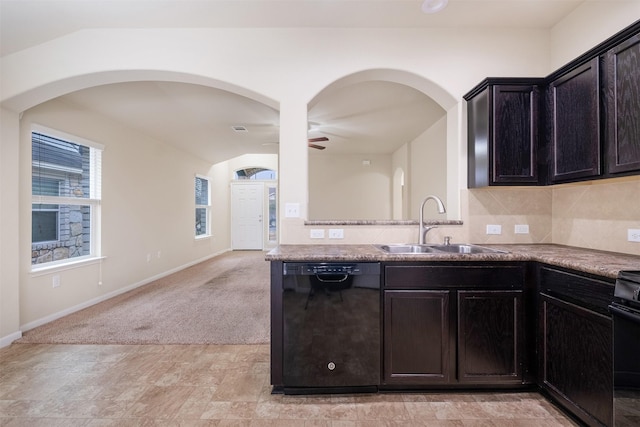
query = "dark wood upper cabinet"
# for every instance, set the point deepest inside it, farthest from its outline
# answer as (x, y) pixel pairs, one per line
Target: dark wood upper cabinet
(622, 106)
(581, 122)
(573, 123)
(503, 132)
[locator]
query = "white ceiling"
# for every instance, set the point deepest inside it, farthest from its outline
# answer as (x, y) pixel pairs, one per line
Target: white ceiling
(380, 115)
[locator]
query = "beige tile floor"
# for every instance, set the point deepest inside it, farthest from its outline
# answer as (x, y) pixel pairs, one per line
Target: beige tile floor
(218, 385)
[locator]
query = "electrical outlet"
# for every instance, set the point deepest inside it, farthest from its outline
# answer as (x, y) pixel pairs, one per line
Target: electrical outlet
(316, 233)
(633, 235)
(521, 229)
(56, 281)
(292, 210)
(336, 233)
(494, 229)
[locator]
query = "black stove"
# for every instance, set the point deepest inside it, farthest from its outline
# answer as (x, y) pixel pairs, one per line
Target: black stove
(625, 310)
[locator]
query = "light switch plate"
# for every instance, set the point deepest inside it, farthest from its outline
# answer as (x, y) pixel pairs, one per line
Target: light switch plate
(292, 210)
(494, 229)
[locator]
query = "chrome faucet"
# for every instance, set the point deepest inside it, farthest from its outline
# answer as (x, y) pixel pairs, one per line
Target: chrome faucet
(423, 229)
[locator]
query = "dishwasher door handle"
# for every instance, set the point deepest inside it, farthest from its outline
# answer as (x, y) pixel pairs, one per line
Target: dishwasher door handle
(331, 278)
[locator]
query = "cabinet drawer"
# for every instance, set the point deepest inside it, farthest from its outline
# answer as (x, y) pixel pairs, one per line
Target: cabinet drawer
(454, 275)
(591, 293)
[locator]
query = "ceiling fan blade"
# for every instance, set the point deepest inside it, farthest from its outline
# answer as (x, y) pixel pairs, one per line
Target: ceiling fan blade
(317, 147)
(319, 139)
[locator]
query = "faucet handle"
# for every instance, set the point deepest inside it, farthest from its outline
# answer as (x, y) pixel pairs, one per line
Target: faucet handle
(447, 240)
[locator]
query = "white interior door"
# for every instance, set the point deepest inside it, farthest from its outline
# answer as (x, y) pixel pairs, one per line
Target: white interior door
(247, 211)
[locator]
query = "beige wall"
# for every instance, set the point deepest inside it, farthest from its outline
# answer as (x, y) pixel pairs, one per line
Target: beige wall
(587, 26)
(342, 186)
(288, 79)
(10, 253)
(429, 170)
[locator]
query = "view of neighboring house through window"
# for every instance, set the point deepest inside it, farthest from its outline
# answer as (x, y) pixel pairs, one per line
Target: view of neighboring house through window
(256, 174)
(203, 206)
(65, 197)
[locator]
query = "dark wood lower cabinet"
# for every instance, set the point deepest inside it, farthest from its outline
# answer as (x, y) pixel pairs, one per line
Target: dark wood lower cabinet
(490, 335)
(576, 360)
(416, 337)
(473, 325)
(454, 325)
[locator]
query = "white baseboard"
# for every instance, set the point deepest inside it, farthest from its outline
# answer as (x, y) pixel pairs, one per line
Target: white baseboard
(6, 341)
(94, 301)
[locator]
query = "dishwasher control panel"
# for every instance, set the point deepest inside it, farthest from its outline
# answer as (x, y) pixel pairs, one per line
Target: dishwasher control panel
(320, 268)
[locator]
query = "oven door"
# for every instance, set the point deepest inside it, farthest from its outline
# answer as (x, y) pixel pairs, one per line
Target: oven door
(626, 365)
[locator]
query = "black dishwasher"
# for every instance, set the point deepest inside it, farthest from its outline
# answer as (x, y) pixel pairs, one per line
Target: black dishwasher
(331, 327)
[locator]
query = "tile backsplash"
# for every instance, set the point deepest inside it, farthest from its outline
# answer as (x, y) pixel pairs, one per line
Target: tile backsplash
(593, 214)
(597, 214)
(508, 207)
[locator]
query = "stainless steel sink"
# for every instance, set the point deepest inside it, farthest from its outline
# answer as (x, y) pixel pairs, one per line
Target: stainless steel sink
(456, 248)
(407, 248)
(465, 248)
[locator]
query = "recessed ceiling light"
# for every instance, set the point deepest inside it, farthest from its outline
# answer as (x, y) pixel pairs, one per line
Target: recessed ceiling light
(433, 6)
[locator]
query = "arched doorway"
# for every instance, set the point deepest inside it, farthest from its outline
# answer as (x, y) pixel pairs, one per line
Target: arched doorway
(376, 122)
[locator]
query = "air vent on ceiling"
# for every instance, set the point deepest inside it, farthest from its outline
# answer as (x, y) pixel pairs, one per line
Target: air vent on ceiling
(239, 128)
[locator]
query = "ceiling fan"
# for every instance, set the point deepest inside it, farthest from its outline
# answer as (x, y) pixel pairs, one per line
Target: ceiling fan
(311, 142)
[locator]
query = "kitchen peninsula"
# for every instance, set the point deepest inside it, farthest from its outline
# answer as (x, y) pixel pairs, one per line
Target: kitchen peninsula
(514, 319)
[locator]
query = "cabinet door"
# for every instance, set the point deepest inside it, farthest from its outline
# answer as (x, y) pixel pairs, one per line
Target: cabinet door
(574, 124)
(622, 91)
(416, 337)
(490, 333)
(503, 135)
(514, 134)
(576, 362)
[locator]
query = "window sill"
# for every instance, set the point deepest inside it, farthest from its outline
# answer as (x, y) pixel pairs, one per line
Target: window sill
(203, 236)
(48, 269)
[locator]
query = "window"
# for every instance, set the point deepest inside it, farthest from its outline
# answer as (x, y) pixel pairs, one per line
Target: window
(203, 206)
(65, 197)
(255, 173)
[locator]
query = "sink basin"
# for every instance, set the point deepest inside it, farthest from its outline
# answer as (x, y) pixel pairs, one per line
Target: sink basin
(407, 248)
(456, 248)
(464, 248)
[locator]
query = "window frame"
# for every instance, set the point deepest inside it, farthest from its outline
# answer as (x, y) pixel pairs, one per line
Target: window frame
(207, 207)
(93, 202)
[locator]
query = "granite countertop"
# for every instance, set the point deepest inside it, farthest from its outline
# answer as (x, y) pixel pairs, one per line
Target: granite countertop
(600, 263)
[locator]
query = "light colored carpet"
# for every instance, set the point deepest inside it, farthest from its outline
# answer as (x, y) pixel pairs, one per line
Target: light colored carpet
(224, 300)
